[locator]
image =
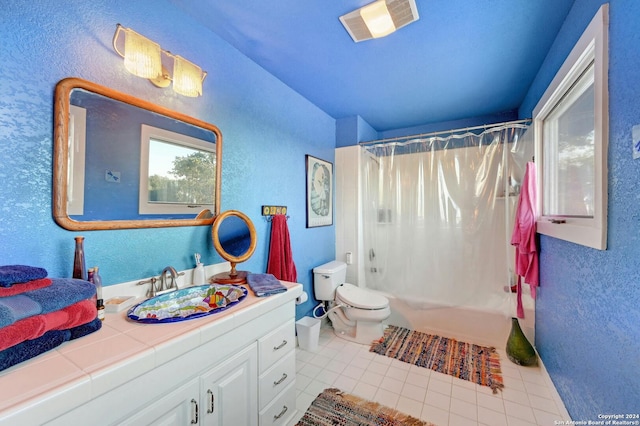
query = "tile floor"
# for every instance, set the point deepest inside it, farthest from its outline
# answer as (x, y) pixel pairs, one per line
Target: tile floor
(528, 397)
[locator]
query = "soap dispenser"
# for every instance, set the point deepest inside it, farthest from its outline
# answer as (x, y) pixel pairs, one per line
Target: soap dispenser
(198, 272)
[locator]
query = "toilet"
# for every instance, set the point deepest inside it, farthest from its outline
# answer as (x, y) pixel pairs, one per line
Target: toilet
(355, 313)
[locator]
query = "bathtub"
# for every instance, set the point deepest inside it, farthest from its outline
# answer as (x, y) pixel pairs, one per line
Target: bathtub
(488, 325)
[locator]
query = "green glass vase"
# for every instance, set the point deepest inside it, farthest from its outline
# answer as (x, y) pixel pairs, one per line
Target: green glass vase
(519, 350)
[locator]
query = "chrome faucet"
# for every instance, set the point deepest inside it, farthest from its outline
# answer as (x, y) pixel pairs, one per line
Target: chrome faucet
(166, 282)
(173, 275)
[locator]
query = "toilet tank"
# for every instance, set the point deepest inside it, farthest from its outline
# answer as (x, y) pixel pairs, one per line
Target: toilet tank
(327, 277)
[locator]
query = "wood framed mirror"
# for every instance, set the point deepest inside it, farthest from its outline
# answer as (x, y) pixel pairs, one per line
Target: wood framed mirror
(99, 162)
(234, 238)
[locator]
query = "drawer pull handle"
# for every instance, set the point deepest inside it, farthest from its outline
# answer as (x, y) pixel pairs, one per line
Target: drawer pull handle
(195, 403)
(280, 346)
(211, 402)
(282, 379)
(284, 410)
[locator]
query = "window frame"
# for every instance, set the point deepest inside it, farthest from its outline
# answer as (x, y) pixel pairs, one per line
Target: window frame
(77, 152)
(592, 47)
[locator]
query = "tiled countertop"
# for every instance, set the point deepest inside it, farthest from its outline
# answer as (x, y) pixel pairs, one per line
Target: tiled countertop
(80, 370)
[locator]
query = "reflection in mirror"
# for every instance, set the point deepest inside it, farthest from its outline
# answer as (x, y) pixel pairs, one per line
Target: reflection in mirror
(234, 238)
(107, 170)
(177, 172)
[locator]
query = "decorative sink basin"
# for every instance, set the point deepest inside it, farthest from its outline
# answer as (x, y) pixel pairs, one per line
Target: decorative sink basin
(187, 303)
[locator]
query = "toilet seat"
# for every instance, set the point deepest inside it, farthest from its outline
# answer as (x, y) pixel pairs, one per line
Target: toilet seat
(360, 298)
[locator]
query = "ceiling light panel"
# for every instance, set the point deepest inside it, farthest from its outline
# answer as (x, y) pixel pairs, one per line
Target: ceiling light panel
(403, 12)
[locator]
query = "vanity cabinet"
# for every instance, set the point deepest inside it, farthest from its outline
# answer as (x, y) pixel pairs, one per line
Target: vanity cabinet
(179, 407)
(276, 383)
(226, 395)
(226, 372)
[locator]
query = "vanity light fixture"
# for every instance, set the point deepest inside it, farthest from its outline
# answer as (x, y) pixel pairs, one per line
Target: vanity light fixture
(144, 58)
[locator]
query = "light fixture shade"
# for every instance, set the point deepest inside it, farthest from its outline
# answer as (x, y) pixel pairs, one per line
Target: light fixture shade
(141, 55)
(377, 18)
(187, 77)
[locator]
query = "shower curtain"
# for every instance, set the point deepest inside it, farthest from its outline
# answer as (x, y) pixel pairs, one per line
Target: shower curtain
(438, 214)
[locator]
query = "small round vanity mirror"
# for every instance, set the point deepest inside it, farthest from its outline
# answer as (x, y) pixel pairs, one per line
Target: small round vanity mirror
(234, 238)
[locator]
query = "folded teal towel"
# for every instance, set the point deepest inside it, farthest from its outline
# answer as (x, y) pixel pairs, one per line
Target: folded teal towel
(15, 274)
(15, 308)
(61, 293)
(265, 284)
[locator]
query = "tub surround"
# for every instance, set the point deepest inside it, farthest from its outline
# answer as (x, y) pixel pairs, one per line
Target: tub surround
(489, 326)
(81, 377)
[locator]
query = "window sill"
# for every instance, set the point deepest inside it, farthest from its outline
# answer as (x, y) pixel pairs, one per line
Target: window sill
(574, 232)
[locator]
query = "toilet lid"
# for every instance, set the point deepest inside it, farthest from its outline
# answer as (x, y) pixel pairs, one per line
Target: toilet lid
(361, 298)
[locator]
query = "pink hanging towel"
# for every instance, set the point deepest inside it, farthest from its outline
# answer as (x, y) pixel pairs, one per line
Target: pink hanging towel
(280, 257)
(524, 236)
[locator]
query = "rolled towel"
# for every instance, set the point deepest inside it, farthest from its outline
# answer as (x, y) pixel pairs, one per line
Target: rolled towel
(16, 274)
(24, 287)
(15, 308)
(35, 326)
(61, 293)
(49, 340)
(265, 284)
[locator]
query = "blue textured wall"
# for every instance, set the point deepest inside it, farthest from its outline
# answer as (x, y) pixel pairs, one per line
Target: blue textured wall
(588, 309)
(267, 130)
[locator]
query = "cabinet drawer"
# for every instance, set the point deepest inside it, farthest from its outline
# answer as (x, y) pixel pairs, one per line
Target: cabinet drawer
(281, 409)
(277, 378)
(275, 345)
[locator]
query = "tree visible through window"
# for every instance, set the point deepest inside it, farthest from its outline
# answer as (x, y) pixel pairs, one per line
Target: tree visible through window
(178, 173)
(189, 181)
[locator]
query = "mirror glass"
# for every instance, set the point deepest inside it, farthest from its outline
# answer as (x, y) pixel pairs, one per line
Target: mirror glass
(121, 162)
(234, 238)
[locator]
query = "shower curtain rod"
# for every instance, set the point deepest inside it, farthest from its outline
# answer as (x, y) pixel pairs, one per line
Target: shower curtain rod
(442, 132)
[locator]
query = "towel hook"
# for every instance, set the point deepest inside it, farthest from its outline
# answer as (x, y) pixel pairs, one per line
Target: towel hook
(270, 218)
(269, 211)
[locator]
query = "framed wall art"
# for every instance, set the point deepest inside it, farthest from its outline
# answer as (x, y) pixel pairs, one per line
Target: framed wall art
(319, 192)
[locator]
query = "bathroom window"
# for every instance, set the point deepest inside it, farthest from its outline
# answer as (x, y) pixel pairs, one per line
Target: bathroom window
(571, 136)
(177, 173)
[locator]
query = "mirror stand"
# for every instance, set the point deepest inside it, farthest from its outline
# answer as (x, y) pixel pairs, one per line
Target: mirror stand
(234, 238)
(231, 277)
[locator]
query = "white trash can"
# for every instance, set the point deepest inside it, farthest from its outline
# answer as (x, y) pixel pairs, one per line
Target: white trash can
(308, 330)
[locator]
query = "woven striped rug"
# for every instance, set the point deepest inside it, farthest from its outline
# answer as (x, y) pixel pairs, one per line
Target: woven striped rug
(477, 364)
(334, 407)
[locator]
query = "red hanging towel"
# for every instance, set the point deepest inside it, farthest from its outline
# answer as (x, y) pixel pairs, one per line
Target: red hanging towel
(524, 236)
(280, 257)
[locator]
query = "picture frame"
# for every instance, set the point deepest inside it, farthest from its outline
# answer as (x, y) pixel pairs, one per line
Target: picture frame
(319, 192)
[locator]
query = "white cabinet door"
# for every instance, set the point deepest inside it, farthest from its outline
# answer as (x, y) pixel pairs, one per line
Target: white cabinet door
(229, 391)
(179, 407)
